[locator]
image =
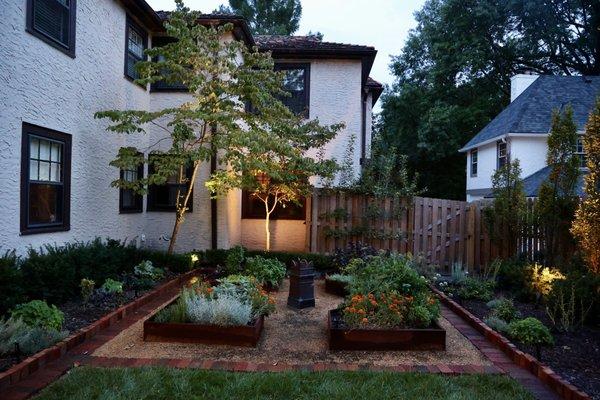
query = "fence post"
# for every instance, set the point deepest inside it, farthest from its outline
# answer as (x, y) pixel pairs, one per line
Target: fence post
(470, 239)
(314, 222)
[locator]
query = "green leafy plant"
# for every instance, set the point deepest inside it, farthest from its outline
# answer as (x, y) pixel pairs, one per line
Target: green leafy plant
(112, 286)
(531, 332)
(497, 324)
(29, 339)
(39, 313)
(504, 309)
(476, 289)
(145, 269)
(224, 310)
(458, 273)
(266, 270)
(87, 289)
(346, 279)
(11, 282)
(569, 303)
(235, 259)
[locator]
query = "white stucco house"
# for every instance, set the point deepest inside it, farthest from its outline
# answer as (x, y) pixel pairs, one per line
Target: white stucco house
(63, 60)
(521, 130)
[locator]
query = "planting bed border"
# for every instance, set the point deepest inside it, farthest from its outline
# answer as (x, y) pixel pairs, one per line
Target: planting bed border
(336, 288)
(33, 363)
(559, 385)
(433, 338)
(247, 336)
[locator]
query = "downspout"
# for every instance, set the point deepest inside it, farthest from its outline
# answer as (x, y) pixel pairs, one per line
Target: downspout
(213, 201)
(363, 130)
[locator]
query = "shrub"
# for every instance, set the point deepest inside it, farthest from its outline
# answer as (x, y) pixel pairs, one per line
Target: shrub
(497, 324)
(225, 310)
(145, 270)
(266, 270)
(476, 289)
(112, 286)
(504, 309)
(321, 262)
(248, 290)
(458, 273)
(235, 259)
(572, 300)
(342, 256)
(87, 289)
(29, 339)
(543, 278)
(346, 279)
(11, 282)
(531, 332)
(39, 313)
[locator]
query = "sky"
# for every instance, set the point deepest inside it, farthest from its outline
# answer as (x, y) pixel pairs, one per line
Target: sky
(383, 24)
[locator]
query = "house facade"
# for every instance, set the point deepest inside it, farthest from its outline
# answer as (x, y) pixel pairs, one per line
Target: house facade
(67, 59)
(521, 130)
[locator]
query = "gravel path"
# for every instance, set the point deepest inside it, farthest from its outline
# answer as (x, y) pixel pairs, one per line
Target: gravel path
(294, 337)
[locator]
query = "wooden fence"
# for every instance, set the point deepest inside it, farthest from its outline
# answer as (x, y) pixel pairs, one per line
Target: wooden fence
(442, 231)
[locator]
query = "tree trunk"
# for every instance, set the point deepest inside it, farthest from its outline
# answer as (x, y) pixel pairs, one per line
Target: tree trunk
(267, 232)
(181, 208)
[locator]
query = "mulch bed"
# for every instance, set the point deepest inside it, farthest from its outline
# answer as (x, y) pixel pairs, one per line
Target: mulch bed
(575, 355)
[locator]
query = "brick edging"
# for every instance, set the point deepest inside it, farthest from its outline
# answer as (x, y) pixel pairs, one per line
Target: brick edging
(522, 359)
(33, 363)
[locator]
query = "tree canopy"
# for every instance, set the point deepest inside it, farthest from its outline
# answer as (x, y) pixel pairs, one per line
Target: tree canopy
(453, 74)
(269, 17)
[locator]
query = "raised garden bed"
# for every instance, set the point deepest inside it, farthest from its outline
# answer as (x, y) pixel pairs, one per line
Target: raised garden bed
(336, 288)
(247, 336)
(344, 338)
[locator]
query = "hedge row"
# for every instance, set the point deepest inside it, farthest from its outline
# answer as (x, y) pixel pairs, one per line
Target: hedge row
(217, 257)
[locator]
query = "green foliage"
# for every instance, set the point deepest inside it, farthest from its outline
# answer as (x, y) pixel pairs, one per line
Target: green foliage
(504, 309)
(224, 310)
(112, 286)
(37, 313)
(574, 301)
(146, 270)
(346, 279)
(234, 260)
(11, 282)
(87, 289)
(476, 289)
(268, 271)
(458, 273)
(531, 332)
(497, 324)
(557, 198)
(505, 217)
(586, 227)
(453, 75)
(268, 17)
(248, 290)
(29, 339)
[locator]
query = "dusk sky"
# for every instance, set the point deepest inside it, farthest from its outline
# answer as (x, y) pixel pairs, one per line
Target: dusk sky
(380, 23)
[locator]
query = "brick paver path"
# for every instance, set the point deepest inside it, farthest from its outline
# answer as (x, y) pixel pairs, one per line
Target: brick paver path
(81, 355)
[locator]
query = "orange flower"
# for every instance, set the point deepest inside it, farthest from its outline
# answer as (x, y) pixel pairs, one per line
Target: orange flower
(365, 320)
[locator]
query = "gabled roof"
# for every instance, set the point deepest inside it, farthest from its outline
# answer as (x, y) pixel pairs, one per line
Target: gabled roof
(531, 112)
(374, 87)
(282, 46)
(532, 183)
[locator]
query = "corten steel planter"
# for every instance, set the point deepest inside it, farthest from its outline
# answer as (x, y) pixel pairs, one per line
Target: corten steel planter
(343, 338)
(336, 287)
(247, 336)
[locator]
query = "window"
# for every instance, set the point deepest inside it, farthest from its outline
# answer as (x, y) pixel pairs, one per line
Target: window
(474, 156)
(129, 200)
(53, 21)
(163, 197)
(502, 152)
(136, 41)
(162, 86)
(45, 180)
(254, 208)
(580, 152)
(296, 82)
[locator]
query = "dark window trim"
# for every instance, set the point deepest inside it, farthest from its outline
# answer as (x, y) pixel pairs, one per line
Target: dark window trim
(139, 199)
(281, 66)
(131, 23)
(151, 207)
(68, 49)
(65, 139)
(476, 163)
(247, 212)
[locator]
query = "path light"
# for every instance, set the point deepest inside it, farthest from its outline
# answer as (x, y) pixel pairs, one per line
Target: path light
(302, 287)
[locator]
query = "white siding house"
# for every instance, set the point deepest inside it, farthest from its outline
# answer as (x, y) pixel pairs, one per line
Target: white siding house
(520, 131)
(55, 77)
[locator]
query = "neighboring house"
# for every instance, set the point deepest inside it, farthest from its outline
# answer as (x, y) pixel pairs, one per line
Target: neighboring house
(521, 130)
(65, 60)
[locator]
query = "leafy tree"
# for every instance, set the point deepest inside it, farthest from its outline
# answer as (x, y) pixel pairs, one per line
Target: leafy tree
(586, 226)
(557, 199)
(269, 17)
(453, 74)
(213, 122)
(505, 217)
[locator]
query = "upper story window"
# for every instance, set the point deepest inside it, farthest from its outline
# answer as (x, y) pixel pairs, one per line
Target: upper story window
(129, 200)
(474, 162)
(502, 153)
(53, 21)
(580, 152)
(45, 180)
(136, 41)
(162, 86)
(296, 82)
(164, 197)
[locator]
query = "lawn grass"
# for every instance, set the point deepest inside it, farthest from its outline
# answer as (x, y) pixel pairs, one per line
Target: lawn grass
(168, 383)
